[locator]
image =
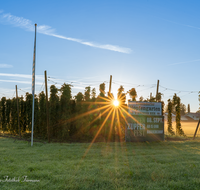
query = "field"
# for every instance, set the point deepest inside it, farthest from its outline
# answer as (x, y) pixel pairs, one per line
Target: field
(156, 165)
(188, 128)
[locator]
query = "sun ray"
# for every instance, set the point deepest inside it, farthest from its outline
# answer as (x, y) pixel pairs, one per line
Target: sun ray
(81, 115)
(104, 112)
(123, 116)
(130, 115)
(98, 133)
(111, 126)
(119, 125)
(142, 113)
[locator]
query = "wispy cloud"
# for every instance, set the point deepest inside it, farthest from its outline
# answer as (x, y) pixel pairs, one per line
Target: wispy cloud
(21, 76)
(185, 62)
(22, 82)
(47, 30)
(190, 26)
(5, 66)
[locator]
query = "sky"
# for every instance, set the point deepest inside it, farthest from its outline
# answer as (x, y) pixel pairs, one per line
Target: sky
(82, 43)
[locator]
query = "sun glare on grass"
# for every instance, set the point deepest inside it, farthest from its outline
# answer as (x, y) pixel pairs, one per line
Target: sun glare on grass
(116, 103)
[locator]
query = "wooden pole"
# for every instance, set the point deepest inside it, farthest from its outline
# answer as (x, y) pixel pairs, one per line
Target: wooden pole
(18, 112)
(196, 130)
(157, 90)
(47, 106)
(110, 85)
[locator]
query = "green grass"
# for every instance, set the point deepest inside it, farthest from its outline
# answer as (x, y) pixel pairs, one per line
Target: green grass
(156, 165)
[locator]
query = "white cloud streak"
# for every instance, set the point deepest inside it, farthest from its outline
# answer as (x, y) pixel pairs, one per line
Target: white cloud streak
(22, 82)
(21, 76)
(182, 24)
(47, 30)
(185, 62)
(5, 66)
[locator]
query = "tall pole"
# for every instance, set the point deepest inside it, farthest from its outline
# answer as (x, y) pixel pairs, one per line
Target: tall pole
(157, 90)
(110, 85)
(47, 106)
(196, 130)
(33, 86)
(18, 112)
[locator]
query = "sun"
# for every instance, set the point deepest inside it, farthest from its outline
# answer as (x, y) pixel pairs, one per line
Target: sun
(116, 103)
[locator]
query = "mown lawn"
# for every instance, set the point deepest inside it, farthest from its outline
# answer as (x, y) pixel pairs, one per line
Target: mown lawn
(156, 165)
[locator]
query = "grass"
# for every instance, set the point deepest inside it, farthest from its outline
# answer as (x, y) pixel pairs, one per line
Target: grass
(156, 165)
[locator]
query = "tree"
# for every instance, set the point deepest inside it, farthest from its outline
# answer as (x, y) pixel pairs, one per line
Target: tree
(182, 109)
(121, 95)
(42, 129)
(3, 113)
(102, 89)
(141, 99)
(65, 109)
(133, 94)
(87, 94)
(8, 115)
(177, 103)
(22, 104)
(54, 111)
(93, 94)
(169, 118)
(159, 97)
(29, 100)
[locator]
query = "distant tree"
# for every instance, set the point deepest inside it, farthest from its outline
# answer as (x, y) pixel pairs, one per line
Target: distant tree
(8, 113)
(159, 97)
(177, 103)
(3, 113)
(42, 129)
(121, 95)
(36, 115)
(141, 99)
(65, 109)
(22, 104)
(133, 94)
(29, 100)
(102, 89)
(54, 111)
(14, 121)
(87, 93)
(93, 94)
(182, 109)
(169, 118)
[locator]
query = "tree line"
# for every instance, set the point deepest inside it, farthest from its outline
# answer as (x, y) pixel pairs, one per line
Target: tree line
(75, 118)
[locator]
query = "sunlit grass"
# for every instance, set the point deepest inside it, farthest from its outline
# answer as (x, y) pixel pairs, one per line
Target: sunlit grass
(163, 165)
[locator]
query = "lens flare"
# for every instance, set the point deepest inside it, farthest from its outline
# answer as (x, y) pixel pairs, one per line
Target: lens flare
(116, 103)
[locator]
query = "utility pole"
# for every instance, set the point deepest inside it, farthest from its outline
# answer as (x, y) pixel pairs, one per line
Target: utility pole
(109, 93)
(18, 112)
(33, 86)
(196, 130)
(47, 106)
(157, 90)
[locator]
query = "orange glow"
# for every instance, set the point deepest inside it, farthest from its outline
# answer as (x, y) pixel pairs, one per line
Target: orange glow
(116, 103)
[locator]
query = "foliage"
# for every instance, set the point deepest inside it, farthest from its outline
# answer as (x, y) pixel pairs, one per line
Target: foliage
(169, 118)
(54, 111)
(133, 94)
(102, 89)
(177, 103)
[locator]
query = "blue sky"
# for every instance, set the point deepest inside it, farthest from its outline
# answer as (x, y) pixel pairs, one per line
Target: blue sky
(84, 42)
